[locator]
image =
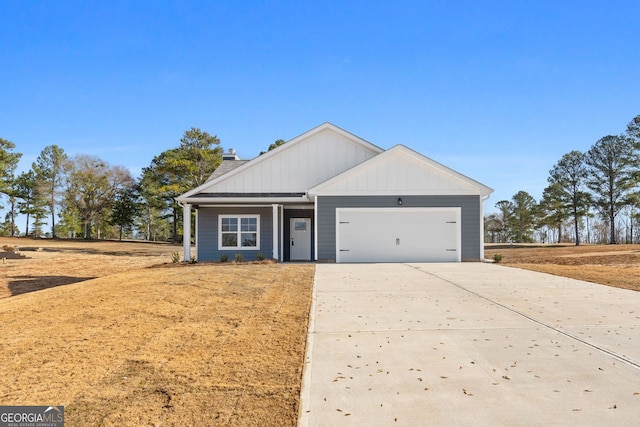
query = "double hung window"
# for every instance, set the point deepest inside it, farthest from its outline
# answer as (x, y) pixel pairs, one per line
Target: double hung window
(239, 232)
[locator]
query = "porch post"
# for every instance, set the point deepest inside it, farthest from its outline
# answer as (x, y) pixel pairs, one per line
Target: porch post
(186, 232)
(275, 232)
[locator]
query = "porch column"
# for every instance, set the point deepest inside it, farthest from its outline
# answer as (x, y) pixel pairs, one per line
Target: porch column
(186, 231)
(275, 232)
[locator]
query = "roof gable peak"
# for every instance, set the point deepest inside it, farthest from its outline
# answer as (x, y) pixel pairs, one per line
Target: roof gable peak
(400, 170)
(297, 165)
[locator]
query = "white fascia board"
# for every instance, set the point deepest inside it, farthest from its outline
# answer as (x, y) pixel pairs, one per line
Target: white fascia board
(251, 205)
(340, 131)
(251, 163)
(207, 185)
(484, 190)
(275, 152)
(225, 201)
(317, 190)
(236, 205)
(474, 186)
(401, 193)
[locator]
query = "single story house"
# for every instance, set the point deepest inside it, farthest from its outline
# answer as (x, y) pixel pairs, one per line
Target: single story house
(328, 195)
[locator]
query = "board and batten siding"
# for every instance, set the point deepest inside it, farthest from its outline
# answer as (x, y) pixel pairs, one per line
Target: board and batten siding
(298, 166)
(470, 217)
(208, 233)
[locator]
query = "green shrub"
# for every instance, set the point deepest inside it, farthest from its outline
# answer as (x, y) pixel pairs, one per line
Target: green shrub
(239, 257)
(175, 257)
(224, 258)
(260, 257)
(497, 257)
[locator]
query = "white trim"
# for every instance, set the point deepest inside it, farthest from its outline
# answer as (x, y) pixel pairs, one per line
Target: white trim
(482, 199)
(315, 228)
(195, 235)
(268, 201)
(402, 193)
(281, 258)
(239, 232)
(186, 232)
(455, 209)
(459, 233)
(469, 186)
(236, 206)
(275, 152)
(274, 233)
(336, 129)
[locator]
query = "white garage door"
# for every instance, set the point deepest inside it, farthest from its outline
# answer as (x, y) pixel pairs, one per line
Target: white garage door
(397, 234)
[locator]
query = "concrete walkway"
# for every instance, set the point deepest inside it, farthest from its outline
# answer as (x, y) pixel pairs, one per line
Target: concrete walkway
(468, 344)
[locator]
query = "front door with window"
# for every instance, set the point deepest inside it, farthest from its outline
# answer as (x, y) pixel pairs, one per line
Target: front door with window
(300, 241)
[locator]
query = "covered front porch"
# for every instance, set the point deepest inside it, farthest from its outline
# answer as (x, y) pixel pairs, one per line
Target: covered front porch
(279, 231)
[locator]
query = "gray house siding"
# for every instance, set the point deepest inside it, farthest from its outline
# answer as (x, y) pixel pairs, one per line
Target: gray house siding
(208, 233)
(470, 217)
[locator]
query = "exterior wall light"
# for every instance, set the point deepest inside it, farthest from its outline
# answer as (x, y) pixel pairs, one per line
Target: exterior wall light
(399, 201)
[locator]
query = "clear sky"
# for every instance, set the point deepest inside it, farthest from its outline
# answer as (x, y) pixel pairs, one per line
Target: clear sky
(497, 90)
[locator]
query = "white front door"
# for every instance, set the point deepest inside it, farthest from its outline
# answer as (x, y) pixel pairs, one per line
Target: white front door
(300, 241)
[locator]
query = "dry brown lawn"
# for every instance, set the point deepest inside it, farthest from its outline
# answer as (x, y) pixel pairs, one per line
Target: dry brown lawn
(51, 263)
(170, 345)
(122, 337)
(612, 265)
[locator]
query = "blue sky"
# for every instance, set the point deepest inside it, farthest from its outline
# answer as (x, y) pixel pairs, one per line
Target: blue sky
(498, 90)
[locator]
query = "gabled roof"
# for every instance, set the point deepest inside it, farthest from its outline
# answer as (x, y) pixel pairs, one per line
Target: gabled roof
(292, 168)
(400, 171)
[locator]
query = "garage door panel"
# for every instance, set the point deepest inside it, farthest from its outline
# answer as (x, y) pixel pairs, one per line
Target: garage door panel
(398, 235)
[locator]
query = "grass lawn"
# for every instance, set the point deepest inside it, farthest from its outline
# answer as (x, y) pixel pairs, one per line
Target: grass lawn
(204, 344)
(611, 265)
(121, 337)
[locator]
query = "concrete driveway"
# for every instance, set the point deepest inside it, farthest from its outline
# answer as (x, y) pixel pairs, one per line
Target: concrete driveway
(468, 344)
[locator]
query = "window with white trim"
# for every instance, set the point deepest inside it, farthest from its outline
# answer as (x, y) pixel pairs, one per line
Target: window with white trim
(239, 232)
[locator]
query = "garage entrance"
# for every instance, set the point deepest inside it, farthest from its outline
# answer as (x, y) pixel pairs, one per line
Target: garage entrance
(398, 235)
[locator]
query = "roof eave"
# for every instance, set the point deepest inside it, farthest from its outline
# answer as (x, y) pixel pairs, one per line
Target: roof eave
(479, 192)
(241, 200)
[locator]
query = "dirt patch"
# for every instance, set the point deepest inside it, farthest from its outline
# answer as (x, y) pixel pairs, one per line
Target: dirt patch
(203, 344)
(612, 265)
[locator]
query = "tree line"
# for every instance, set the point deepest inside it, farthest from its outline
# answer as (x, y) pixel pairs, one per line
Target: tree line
(85, 197)
(592, 197)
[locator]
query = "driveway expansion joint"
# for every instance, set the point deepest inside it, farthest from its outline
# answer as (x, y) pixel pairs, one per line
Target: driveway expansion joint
(611, 353)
